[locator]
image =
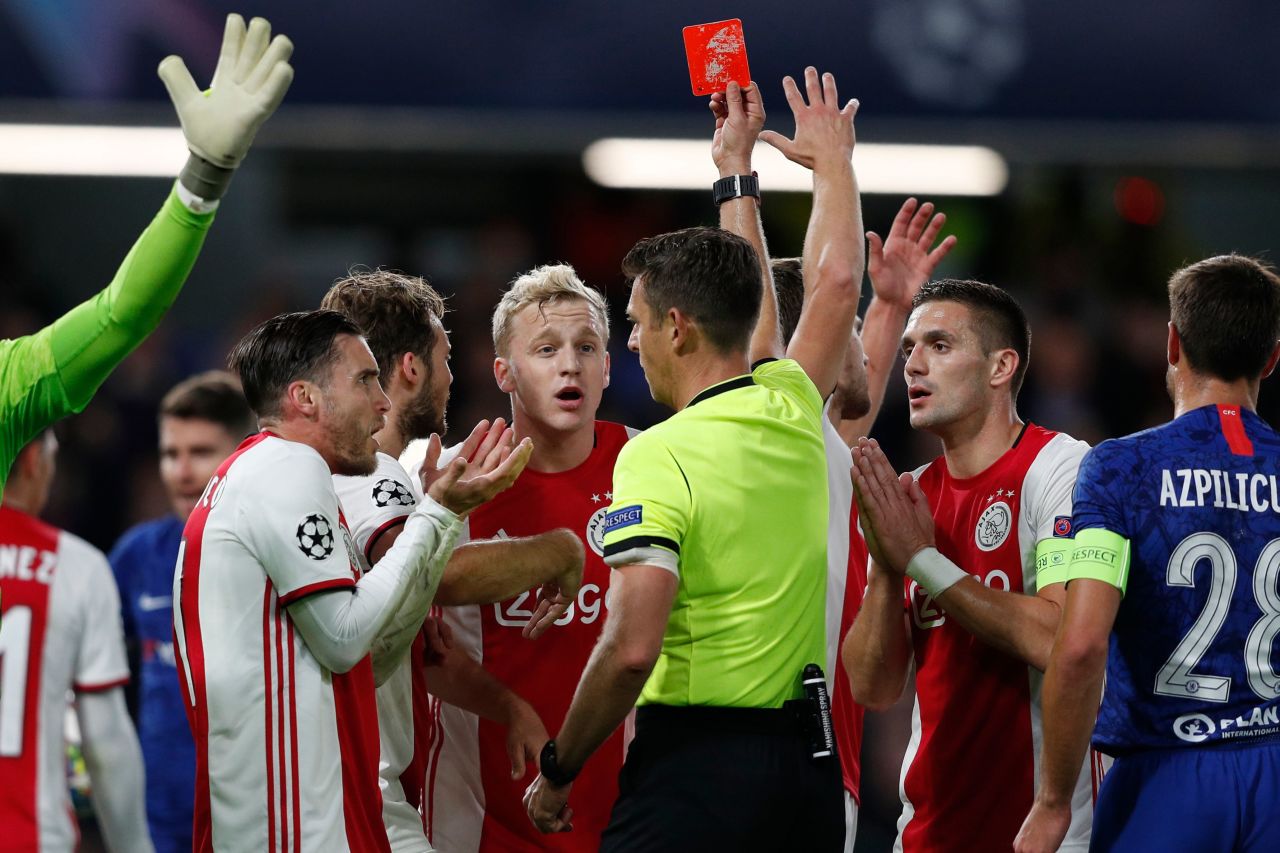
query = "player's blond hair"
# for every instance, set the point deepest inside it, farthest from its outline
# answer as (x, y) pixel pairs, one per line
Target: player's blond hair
(542, 286)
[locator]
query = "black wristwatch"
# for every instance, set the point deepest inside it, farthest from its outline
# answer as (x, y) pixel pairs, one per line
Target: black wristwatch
(735, 186)
(550, 767)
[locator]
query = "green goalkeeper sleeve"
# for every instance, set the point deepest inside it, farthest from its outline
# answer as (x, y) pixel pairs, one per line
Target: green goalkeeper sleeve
(55, 372)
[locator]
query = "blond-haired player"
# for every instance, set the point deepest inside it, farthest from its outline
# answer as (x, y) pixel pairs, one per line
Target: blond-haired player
(550, 333)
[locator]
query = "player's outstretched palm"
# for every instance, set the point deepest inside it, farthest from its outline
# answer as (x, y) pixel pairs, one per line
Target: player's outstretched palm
(824, 129)
(252, 76)
(892, 509)
(900, 265)
(488, 462)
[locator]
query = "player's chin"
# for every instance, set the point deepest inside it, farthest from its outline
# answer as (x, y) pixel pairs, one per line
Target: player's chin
(358, 464)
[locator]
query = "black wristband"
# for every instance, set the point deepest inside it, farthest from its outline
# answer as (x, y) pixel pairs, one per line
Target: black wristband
(735, 186)
(550, 767)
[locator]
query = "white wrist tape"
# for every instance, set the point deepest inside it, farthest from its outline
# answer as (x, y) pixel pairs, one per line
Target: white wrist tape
(934, 572)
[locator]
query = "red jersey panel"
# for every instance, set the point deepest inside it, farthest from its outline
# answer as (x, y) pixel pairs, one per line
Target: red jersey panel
(846, 714)
(472, 802)
(970, 768)
(59, 629)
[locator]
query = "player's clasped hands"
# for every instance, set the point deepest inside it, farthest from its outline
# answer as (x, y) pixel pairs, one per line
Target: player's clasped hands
(824, 129)
(895, 515)
(488, 462)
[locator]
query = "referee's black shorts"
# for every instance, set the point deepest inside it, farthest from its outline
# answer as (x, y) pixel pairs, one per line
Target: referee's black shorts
(708, 779)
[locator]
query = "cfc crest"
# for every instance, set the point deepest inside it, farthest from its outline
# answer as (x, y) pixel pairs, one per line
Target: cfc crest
(388, 492)
(315, 537)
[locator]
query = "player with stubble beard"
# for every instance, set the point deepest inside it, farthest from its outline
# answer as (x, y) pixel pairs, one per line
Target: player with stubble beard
(274, 618)
(969, 557)
(401, 316)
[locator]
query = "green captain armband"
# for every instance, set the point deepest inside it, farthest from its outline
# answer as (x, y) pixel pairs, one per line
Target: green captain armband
(1100, 555)
(1053, 557)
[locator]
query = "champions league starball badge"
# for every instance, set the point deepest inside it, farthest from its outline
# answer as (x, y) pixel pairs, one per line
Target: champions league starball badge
(315, 537)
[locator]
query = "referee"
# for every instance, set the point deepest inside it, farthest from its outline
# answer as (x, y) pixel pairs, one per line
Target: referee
(717, 530)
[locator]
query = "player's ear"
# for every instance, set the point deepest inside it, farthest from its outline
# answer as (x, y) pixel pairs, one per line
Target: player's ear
(503, 375)
(1175, 345)
(1004, 368)
(678, 330)
(408, 366)
(1271, 362)
(607, 364)
(302, 396)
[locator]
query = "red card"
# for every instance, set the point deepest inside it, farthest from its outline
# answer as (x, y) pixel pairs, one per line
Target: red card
(717, 54)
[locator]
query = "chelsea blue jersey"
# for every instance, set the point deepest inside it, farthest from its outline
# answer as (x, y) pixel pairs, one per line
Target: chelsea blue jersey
(1192, 659)
(143, 562)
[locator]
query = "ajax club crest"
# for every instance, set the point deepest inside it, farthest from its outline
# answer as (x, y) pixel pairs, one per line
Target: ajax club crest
(993, 526)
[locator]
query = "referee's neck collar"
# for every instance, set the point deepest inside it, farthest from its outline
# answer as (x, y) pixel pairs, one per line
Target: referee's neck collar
(736, 382)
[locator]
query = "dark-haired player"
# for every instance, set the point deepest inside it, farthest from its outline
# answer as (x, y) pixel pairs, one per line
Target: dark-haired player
(1174, 590)
(202, 419)
(274, 618)
(978, 544)
(401, 316)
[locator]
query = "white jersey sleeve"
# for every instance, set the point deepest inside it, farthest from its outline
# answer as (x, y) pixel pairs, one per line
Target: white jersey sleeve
(289, 521)
(101, 662)
(375, 503)
(1049, 484)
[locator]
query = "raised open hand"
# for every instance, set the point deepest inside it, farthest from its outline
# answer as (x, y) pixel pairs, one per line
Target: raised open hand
(824, 129)
(900, 265)
(252, 76)
(488, 462)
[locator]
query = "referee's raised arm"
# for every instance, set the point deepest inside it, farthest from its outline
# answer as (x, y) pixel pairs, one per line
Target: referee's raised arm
(717, 533)
(834, 251)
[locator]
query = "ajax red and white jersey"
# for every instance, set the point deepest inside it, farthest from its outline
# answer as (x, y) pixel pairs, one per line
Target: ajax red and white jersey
(286, 751)
(970, 770)
(375, 506)
(59, 630)
(472, 804)
(846, 587)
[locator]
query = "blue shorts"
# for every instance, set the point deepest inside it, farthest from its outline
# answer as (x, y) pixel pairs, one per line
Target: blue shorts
(1193, 800)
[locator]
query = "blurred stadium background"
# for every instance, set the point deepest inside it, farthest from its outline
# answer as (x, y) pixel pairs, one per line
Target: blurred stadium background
(1099, 147)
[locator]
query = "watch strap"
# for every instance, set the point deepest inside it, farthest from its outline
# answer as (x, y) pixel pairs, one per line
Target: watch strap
(735, 186)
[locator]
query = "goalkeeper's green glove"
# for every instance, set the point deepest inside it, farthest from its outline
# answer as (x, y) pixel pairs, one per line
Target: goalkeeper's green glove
(252, 76)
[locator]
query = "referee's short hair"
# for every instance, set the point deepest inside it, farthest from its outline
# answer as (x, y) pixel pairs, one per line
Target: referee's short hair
(1227, 313)
(708, 274)
(284, 349)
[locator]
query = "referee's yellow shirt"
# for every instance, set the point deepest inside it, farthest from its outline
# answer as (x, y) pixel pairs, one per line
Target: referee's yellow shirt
(730, 494)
